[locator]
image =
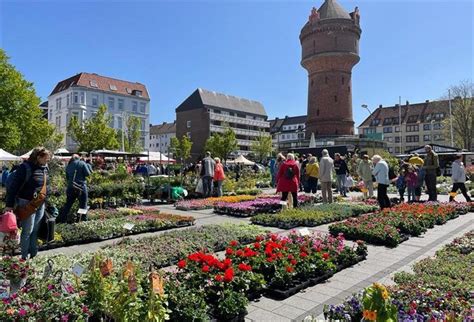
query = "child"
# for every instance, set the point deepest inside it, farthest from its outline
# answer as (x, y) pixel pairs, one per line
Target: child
(401, 185)
(411, 179)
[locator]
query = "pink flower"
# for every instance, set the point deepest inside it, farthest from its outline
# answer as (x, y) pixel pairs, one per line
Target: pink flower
(22, 312)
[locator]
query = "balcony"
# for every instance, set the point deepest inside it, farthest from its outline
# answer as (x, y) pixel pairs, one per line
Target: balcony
(238, 120)
(221, 129)
(244, 142)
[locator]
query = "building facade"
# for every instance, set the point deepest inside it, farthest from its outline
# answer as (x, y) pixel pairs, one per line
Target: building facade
(288, 133)
(81, 95)
(205, 112)
(44, 108)
(420, 124)
(160, 137)
(330, 49)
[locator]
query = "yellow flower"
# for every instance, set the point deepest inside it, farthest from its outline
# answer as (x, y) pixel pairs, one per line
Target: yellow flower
(385, 294)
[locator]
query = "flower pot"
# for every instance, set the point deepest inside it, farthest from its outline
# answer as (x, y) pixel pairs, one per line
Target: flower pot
(16, 285)
(237, 318)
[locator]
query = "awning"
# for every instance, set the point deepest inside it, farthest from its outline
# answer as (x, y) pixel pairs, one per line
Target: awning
(5, 156)
(156, 157)
(241, 160)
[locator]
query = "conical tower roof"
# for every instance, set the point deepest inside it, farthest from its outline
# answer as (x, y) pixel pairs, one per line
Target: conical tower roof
(332, 10)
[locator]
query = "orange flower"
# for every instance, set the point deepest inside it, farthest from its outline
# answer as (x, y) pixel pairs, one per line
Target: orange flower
(10, 311)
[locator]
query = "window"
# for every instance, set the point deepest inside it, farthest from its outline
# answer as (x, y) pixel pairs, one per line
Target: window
(58, 103)
(387, 129)
(119, 122)
(111, 103)
(112, 121)
(412, 119)
(326, 80)
(58, 121)
(135, 106)
(82, 98)
(93, 83)
(75, 115)
(397, 149)
(397, 139)
(188, 134)
(120, 104)
(335, 98)
(437, 126)
(438, 137)
(375, 122)
(142, 108)
(426, 138)
(397, 129)
(412, 138)
(427, 117)
(438, 116)
(317, 112)
(188, 124)
(369, 130)
(412, 128)
(390, 150)
(389, 138)
(387, 121)
(95, 100)
(113, 87)
(426, 127)
(67, 100)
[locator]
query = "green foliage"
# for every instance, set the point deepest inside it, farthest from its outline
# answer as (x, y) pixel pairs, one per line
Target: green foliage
(262, 146)
(22, 125)
(133, 134)
(221, 145)
(181, 148)
(378, 304)
(95, 133)
(391, 161)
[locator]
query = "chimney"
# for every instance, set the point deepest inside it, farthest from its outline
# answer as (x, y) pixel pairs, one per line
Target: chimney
(427, 101)
(380, 106)
(408, 103)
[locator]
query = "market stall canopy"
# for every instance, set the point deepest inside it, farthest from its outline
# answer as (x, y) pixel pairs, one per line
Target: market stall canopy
(61, 151)
(114, 153)
(241, 160)
(26, 155)
(156, 157)
(5, 156)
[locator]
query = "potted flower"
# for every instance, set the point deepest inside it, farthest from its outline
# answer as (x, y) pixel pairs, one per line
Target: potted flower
(15, 270)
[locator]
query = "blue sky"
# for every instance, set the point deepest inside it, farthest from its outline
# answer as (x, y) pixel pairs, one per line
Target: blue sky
(251, 49)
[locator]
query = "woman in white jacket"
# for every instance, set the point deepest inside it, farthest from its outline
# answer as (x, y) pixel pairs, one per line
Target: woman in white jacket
(458, 176)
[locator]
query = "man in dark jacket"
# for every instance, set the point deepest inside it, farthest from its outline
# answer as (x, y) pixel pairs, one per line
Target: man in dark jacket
(340, 166)
(430, 166)
(76, 173)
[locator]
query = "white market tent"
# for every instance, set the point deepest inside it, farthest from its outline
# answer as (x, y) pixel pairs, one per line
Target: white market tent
(241, 160)
(61, 151)
(156, 157)
(26, 155)
(5, 156)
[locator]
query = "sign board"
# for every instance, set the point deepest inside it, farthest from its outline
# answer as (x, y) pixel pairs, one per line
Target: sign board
(128, 226)
(78, 269)
(305, 232)
(82, 211)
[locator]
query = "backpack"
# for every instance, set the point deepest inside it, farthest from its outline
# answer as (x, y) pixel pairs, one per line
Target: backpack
(12, 177)
(289, 173)
(391, 174)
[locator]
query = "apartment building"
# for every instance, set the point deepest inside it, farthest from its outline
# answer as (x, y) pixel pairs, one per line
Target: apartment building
(160, 136)
(82, 94)
(206, 112)
(420, 124)
(288, 133)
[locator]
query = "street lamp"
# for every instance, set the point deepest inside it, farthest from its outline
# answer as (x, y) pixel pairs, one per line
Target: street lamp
(370, 112)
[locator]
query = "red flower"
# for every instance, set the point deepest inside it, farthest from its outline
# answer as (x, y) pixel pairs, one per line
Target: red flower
(293, 262)
(229, 251)
(273, 237)
(291, 256)
(233, 243)
(195, 257)
(256, 245)
(182, 264)
(259, 238)
(218, 278)
(279, 255)
(289, 269)
(226, 263)
(228, 275)
(303, 255)
(239, 253)
(205, 269)
(244, 267)
(269, 259)
(325, 256)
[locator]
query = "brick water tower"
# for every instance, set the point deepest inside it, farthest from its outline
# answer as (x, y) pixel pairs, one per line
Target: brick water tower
(330, 48)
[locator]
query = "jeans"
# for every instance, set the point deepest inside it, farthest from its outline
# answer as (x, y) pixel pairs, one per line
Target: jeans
(207, 186)
(341, 180)
(411, 194)
(326, 190)
(284, 197)
(219, 188)
(462, 186)
(382, 197)
(401, 192)
(311, 185)
(430, 180)
(29, 231)
(71, 196)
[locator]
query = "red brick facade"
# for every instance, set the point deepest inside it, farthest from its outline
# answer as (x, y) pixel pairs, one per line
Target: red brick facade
(330, 49)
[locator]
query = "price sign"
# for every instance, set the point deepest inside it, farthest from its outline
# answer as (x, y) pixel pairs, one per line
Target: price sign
(305, 232)
(78, 269)
(128, 226)
(82, 211)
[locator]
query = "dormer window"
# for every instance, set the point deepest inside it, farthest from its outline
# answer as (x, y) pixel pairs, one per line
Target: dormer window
(93, 83)
(136, 92)
(113, 87)
(129, 91)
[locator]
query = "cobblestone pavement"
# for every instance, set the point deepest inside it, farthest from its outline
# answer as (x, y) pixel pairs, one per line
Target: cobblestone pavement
(380, 266)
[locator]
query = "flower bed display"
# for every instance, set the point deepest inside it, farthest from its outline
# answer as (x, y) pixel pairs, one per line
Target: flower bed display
(439, 289)
(392, 226)
(269, 204)
(312, 215)
(119, 224)
(208, 203)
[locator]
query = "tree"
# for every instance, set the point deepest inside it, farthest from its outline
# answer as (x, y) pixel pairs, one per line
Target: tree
(95, 133)
(462, 115)
(133, 134)
(55, 140)
(222, 144)
(181, 148)
(262, 146)
(22, 125)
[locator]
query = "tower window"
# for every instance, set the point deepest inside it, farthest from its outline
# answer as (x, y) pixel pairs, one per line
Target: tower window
(312, 82)
(335, 98)
(336, 131)
(335, 41)
(342, 80)
(317, 112)
(326, 80)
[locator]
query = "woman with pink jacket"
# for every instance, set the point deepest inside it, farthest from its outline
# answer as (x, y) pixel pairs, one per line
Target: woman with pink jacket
(219, 176)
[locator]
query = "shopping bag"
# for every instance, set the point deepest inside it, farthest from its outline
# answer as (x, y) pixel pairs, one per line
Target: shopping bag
(8, 222)
(199, 187)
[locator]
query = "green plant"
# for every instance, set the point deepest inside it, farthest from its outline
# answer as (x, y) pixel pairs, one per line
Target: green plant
(378, 305)
(230, 304)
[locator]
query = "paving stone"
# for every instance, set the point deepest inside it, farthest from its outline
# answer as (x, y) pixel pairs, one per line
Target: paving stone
(264, 315)
(267, 304)
(289, 311)
(300, 302)
(313, 296)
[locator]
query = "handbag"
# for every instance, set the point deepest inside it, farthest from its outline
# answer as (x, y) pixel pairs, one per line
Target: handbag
(8, 222)
(48, 225)
(199, 187)
(26, 211)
